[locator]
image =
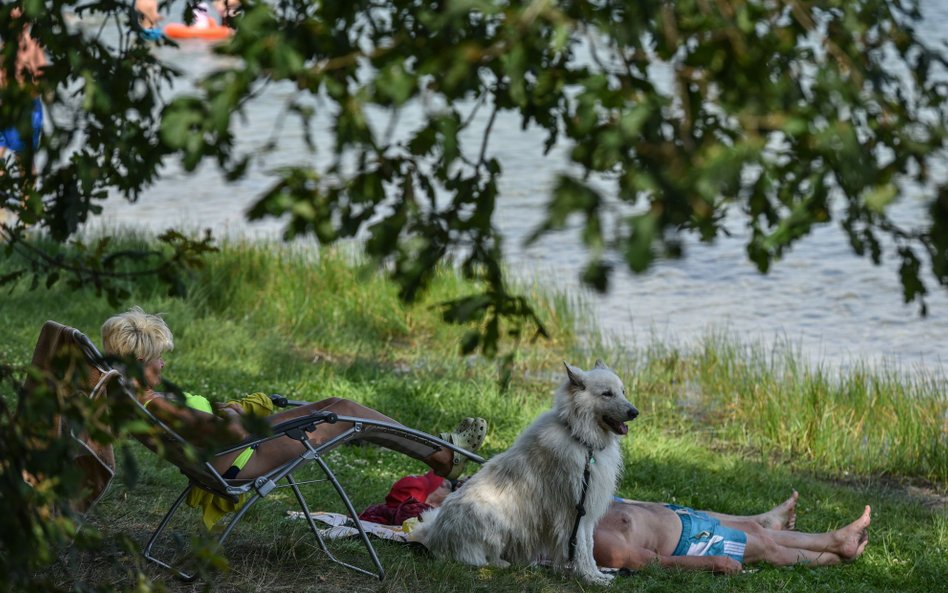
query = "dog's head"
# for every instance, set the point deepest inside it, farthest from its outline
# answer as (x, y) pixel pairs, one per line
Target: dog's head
(593, 405)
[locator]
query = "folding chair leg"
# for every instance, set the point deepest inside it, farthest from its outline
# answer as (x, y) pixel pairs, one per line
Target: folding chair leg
(220, 541)
(146, 552)
(240, 515)
(352, 514)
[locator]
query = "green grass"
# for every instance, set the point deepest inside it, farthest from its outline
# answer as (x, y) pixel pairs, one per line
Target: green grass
(864, 422)
(727, 427)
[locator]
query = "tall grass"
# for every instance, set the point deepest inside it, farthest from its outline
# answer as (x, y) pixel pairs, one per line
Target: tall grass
(337, 297)
(865, 421)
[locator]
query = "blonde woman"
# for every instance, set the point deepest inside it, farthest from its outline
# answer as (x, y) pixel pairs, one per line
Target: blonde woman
(141, 336)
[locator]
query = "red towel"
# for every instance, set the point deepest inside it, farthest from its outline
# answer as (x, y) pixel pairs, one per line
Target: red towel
(404, 501)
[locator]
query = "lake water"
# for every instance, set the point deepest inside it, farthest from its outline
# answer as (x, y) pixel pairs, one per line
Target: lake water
(831, 306)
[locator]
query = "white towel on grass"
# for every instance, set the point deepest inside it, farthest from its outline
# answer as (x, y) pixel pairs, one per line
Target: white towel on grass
(342, 526)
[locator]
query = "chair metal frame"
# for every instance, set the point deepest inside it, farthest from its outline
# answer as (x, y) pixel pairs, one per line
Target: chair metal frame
(204, 475)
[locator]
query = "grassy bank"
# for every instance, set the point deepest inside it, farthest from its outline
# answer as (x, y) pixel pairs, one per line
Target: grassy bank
(725, 427)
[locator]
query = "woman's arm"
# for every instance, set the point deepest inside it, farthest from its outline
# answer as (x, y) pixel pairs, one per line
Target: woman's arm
(231, 411)
(199, 428)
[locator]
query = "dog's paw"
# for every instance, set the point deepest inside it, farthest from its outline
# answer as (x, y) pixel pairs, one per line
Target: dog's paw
(499, 563)
(598, 578)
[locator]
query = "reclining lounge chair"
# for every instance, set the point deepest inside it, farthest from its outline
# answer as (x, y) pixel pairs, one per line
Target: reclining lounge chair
(201, 474)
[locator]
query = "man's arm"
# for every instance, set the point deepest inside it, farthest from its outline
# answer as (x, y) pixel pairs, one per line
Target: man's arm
(613, 551)
(721, 564)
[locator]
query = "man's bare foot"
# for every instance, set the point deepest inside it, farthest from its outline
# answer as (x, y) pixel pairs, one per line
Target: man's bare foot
(782, 516)
(852, 539)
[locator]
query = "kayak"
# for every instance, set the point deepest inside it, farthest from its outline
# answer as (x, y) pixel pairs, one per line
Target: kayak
(182, 31)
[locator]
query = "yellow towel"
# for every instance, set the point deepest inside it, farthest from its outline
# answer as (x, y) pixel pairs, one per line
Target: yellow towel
(255, 404)
(215, 507)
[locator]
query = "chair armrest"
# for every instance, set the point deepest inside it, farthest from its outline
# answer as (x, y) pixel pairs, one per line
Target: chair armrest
(281, 401)
(294, 428)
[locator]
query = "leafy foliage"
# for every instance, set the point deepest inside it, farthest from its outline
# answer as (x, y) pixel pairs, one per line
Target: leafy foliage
(103, 110)
(791, 113)
(39, 479)
(45, 481)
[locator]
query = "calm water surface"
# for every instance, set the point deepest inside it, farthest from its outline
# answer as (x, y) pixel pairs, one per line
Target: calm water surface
(835, 308)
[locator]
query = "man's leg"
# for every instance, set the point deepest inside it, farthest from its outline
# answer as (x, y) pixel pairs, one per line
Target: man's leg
(783, 548)
(782, 516)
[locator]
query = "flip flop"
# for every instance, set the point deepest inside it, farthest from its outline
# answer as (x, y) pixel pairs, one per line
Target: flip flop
(468, 435)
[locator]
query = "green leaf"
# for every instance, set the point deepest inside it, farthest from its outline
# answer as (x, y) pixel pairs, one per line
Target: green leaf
(470, 341)
(395, 84)
(879, 197)
(639, 253)
(596, 274)
(909, 271)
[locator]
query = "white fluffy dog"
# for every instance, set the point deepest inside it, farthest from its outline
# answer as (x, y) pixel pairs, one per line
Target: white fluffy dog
(522, 506)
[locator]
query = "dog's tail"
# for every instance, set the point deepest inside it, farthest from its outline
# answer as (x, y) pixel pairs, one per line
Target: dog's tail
(421, 532)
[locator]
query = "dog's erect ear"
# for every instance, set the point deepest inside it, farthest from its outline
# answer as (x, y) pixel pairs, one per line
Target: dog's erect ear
(601, 365)
(575, 376)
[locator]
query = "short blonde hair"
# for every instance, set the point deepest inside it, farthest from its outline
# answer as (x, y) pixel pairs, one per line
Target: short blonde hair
(136, 334)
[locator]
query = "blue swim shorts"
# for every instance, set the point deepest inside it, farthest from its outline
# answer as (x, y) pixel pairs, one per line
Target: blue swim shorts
(10, 138)
(703, 535)
(153, 34)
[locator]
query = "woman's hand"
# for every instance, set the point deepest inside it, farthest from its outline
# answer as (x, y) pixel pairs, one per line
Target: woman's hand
(230, 410)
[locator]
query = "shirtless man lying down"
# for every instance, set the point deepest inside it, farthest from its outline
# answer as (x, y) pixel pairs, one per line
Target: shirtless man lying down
(633, 534)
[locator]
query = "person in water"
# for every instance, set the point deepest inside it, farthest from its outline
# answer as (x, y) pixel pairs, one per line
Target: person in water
(28, 68)
(148, 18)
(202, 16)
(228, 9)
